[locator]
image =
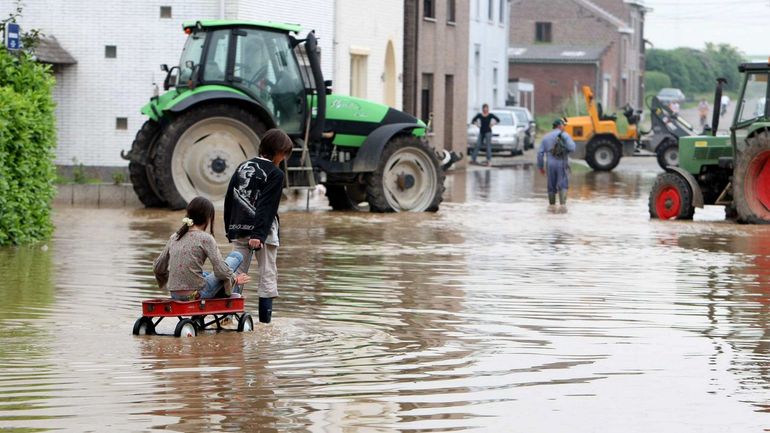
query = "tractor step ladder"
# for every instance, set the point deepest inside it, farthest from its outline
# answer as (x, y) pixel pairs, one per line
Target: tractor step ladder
(306, 166)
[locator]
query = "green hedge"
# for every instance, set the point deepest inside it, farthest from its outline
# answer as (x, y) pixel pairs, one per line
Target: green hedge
(27, 142)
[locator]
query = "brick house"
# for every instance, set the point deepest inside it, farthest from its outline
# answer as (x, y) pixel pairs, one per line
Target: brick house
(435, 75)
(558, 71)
(567, 38)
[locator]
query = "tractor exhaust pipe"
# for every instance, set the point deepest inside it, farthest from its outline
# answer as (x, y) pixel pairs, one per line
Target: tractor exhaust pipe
(311, 46)
(717, 104)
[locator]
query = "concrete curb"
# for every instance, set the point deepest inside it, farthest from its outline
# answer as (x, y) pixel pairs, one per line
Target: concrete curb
(101, 195)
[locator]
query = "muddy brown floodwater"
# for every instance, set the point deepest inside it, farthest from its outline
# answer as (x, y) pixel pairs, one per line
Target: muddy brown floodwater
(488, 316)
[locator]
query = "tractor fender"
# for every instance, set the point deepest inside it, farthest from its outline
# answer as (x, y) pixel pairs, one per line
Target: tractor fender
(226, 97)
(368, 157)
(697, 194)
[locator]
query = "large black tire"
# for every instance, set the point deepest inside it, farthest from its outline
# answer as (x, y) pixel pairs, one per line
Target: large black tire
(408, 178)
(141, 175)
(751, 180)
(199, 150)
(668, 153)
(346, 197)
(671, 198)
(603, 154)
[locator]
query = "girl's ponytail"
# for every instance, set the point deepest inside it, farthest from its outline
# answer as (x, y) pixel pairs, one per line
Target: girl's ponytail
(200, 211)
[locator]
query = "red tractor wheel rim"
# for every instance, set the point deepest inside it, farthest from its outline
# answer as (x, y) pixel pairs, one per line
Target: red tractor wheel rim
(668, 203)
(757, 184)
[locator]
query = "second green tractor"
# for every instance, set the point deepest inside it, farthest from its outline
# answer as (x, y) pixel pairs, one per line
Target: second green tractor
(734, 170)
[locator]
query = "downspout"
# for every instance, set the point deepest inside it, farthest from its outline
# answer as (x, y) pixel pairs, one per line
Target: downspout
(222, 9)
(417, 92)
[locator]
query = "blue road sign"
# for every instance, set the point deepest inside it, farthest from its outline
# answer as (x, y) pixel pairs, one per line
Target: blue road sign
(12, 36)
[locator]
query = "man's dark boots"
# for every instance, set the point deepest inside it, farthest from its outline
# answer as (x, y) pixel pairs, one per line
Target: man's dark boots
(265, 309)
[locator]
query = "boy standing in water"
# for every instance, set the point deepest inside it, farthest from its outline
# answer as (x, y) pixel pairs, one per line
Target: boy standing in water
(251, 214)
(558, 145)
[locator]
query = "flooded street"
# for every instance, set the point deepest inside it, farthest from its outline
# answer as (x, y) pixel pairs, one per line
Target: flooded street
(489, 316)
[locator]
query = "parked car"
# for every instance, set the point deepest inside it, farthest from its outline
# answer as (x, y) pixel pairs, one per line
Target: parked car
(507, 136)
(669, 95)
(523, 116)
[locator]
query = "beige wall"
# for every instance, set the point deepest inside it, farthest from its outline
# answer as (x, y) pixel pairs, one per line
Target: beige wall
(437, 47)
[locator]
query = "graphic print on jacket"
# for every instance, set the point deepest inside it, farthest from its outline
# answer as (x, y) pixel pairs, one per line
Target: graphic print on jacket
(246, 193)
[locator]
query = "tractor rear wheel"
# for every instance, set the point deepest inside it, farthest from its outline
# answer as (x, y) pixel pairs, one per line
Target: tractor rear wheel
(141, 175)
(671, 198)
(346, 197)
(199, 151)
(751, 180)
(408, 178)
(668, 153)
(602, 154)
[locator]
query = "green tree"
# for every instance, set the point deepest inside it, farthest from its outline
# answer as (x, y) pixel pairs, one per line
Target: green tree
(656, 80)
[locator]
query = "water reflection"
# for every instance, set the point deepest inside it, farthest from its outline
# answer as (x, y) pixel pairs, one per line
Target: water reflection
(489, 314)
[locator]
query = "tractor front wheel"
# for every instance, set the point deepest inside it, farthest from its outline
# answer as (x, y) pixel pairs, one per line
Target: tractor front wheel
(199, 151)
(408, 178)
(751, 180)
(671, 198)
(602, 154)
(668, 153)
(141, 175)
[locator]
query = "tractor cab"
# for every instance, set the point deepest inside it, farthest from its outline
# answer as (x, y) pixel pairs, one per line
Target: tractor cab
(259, 60)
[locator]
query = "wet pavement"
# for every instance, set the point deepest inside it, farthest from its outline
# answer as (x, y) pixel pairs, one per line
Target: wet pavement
(488, 316)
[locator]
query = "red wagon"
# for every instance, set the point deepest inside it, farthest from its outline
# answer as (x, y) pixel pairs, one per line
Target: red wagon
(192, 315)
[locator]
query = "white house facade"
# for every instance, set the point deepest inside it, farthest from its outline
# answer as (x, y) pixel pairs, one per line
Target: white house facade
(488, 55)
(118, 47)
(369, 57)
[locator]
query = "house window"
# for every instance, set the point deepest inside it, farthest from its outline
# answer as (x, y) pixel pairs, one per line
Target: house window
(502, 11)
(110, 51)
(450, 12)
(121, 123)
(165, 11)
(429, 8)
(542, 32)
(358, 75)
(491, 11)
(426, 97)
(494, 87)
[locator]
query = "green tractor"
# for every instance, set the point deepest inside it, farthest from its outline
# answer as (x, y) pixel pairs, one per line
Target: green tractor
(733, 170)
(238, 79)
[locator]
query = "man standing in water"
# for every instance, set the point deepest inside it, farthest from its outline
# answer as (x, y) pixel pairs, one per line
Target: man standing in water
(484, 120)
(558, 145)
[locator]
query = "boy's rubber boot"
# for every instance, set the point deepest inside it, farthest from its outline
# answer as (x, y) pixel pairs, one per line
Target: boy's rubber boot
(265, 309)
(563, 197)
(551, 198)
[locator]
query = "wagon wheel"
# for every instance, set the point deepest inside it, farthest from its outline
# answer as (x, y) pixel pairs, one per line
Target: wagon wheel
(185, 328)
(144, 326)
(245, 323)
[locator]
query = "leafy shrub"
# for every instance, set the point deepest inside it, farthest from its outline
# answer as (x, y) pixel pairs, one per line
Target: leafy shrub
(27, 142)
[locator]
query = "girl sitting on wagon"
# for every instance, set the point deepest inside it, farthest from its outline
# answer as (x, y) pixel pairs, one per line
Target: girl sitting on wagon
(179, 267)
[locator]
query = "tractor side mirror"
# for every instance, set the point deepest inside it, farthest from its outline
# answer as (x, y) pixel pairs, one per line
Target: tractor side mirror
(328, 87)
(164, 67)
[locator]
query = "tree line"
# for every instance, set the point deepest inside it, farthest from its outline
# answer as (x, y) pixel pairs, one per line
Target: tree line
(693, 70)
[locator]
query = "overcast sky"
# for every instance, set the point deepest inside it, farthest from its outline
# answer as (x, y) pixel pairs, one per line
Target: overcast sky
(691, 23)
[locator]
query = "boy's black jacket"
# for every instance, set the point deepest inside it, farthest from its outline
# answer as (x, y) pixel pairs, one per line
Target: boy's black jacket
(252, 199)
